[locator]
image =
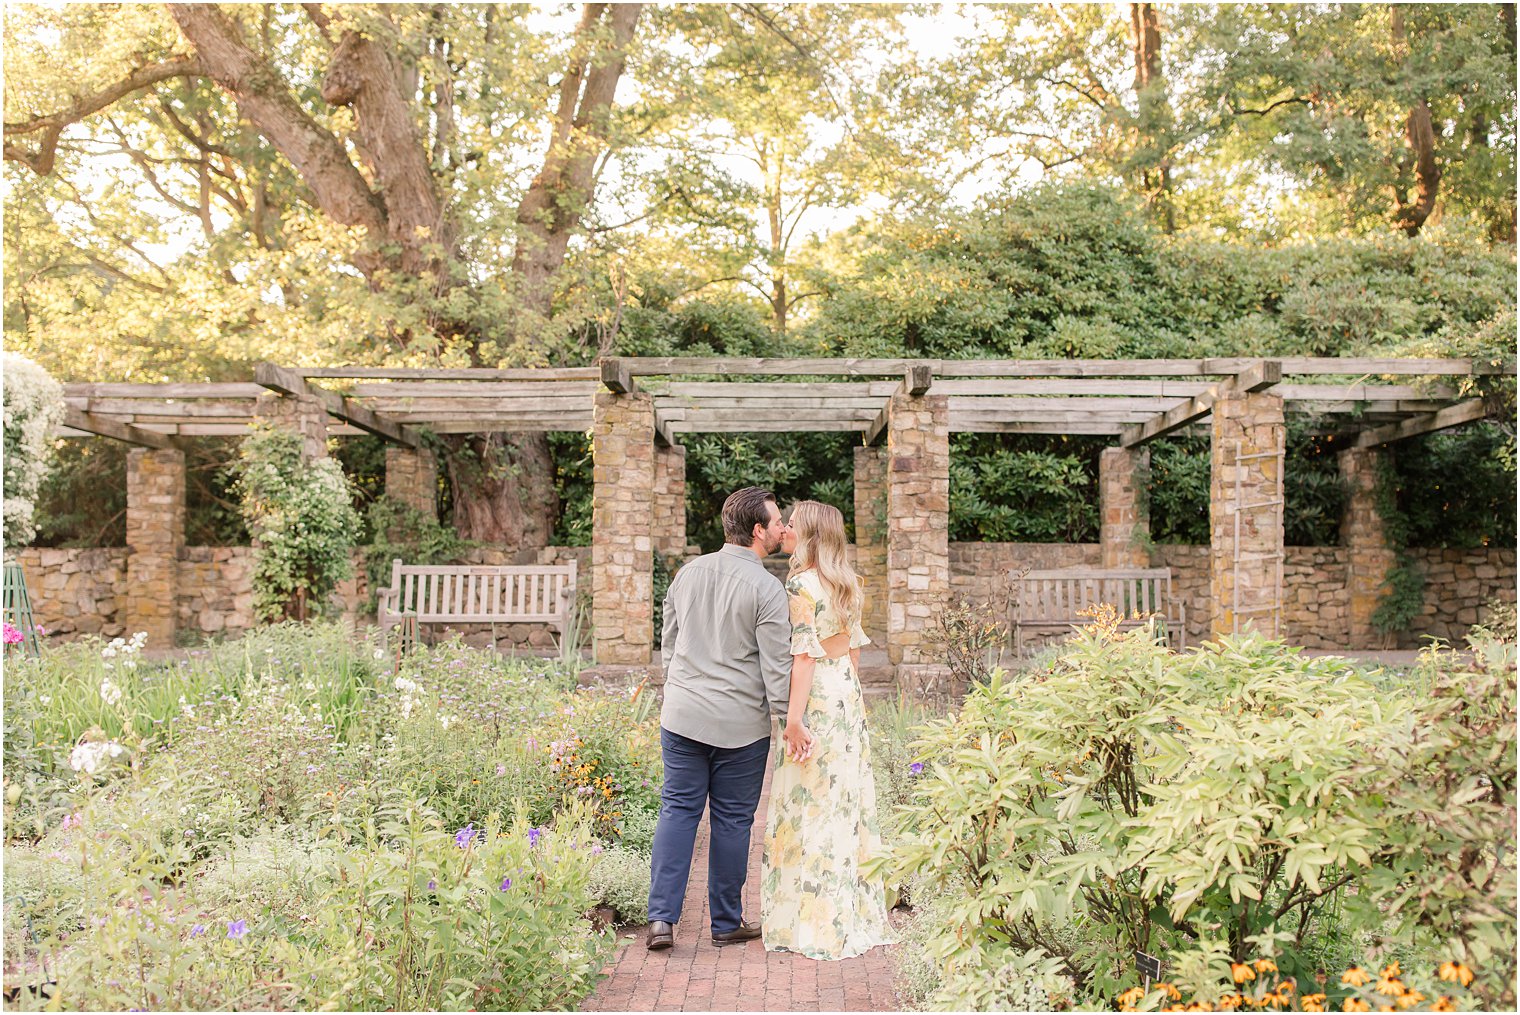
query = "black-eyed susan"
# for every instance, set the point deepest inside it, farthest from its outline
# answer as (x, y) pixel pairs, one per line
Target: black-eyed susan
(1355, 1004)
(1356, 976)
(1390, 986)
(1409, 999)
(1443, 1003)
(1265, 966)
(1455, 972)
(1242, 972)
(1169, 990)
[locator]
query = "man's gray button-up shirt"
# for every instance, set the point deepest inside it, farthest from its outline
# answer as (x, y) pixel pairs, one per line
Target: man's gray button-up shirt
(726, 648)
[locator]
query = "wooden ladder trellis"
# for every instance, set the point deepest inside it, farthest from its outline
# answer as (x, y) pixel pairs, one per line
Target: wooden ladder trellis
(1275, 504)
(18, 608)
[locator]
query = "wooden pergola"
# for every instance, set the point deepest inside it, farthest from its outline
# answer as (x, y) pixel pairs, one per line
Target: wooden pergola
(1134, 401)
(903, 410)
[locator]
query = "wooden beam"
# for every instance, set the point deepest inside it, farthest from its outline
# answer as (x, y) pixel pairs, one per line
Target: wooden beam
(662, 431)
(214, 390)
(290, 382)
(166, 407)
(917, 379)
(767, 426)
(535, 374)
(773, 389)
(88, 422)
(1454, 415)
(1259, 375)
(616, 377)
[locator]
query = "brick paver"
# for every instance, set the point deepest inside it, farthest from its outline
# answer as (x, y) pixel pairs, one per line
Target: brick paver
(696, 975)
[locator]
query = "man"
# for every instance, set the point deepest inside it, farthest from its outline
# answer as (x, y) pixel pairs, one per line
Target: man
(727, 655)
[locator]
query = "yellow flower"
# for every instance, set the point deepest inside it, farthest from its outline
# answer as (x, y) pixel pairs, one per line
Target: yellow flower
(1353, 1004)
(1443, 1003)
(1389, 986)
(1170, 991)
(1409, 999)
(1392, 971)
(1455, 972)
(1241, 972)
(1265, 965)
(1356, 976)
(1128, 999)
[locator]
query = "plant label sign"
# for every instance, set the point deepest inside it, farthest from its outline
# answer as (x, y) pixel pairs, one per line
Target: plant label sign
(1147, 966)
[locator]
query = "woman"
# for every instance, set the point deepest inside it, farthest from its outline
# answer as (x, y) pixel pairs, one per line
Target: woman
(821, 823)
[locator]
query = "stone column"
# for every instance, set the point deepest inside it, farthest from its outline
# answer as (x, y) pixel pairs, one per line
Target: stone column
(1124, 533)
(1248, 433)
(918, 523)
(1369, 557)
(302, 414)
(155, 534)
(871, 538)
(669, 499)
(622, 542)
(411, 478)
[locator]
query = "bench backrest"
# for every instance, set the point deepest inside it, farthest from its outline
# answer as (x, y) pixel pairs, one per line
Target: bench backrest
(1061, 595)
(467, 593)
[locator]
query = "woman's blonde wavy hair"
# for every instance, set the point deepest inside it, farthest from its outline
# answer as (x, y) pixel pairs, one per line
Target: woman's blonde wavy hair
(821, 545)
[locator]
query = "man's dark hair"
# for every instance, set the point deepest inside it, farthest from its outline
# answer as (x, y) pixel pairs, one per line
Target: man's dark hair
(742, 511)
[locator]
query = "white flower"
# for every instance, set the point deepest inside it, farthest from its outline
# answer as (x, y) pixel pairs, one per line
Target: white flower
(109, 692)
(88, 756)
(403, 684)
(139, 640)
(379, 653)
(45, 699)
(406, 708)
(444, 721)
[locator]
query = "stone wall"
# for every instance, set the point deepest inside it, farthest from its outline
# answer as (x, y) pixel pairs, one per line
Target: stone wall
(77, 592)
(1316, 600)
(1459, 584)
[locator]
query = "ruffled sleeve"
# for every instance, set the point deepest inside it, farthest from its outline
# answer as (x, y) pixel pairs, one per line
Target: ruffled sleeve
(858, 636)
(805, 606)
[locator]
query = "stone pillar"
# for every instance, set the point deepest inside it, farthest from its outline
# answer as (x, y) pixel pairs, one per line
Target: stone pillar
(155, 534)
(918, 523)
(871, 538)
(1369, 557)
(302, 414)
(411, 478)
(622, 542)
(669, 499)
(1246, 550)
(1124, 533)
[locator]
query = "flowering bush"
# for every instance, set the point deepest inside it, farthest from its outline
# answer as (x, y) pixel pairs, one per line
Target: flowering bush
(33, 407)
(303, 522)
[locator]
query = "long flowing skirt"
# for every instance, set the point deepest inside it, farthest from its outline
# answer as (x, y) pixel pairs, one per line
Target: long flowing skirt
(820, 826)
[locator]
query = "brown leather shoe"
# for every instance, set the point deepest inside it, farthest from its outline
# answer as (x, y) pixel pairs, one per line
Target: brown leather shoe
(661, 936)
(744, 932)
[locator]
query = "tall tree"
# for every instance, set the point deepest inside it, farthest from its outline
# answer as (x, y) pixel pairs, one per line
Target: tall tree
(361, 108)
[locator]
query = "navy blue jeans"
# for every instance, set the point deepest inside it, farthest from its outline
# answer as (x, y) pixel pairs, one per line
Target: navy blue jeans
(726, 781)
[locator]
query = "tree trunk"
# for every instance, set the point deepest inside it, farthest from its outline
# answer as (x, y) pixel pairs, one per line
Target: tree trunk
(503, 488)
(776, 219)
(1155, 113)
(1420, 133)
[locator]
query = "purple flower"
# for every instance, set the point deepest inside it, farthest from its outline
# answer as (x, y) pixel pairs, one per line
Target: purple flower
(237, 929)
(465, 836)
(432, 885)
(506, 883)
(533, 836)
(501, 769)
(917, 768)
(596, 849)
(198, 930)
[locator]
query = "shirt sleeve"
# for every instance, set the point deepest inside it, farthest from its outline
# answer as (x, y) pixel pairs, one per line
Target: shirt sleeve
(671, 627)
(775, 657)
(804, 607)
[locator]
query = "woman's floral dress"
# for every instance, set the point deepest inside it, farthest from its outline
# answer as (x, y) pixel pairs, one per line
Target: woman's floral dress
(822, 821)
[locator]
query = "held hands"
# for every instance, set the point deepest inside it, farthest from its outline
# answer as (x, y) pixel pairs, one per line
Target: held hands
(799, 742)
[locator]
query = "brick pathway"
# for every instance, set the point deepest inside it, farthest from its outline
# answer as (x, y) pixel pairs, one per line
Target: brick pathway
(696, 975)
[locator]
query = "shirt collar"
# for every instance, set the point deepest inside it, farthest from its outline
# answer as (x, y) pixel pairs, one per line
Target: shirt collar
(741, 551)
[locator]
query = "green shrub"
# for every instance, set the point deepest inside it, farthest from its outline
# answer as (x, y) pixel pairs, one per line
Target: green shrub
(302, 519)
(1155, 800)
(33, 407)
(620, 879)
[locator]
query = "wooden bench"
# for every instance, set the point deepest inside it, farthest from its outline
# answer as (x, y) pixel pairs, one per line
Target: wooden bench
(469, 594)
(1055, 600)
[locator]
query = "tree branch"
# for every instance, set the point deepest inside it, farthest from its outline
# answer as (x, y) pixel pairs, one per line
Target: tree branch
(52, 125)
(263, 97)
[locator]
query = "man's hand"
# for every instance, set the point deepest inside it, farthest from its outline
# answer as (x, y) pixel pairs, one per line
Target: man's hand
(799, 742)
